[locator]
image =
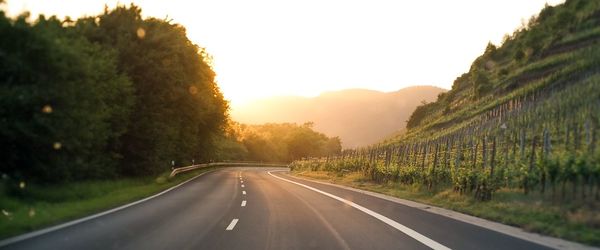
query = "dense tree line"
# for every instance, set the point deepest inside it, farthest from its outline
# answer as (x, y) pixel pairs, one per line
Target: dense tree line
(103, 96)
(120, 95)
(280, 142)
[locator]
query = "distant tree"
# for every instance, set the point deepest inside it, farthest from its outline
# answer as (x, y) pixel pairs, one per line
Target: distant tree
(261, 149)
(287, 142)
(546, 13)
(304, 142)
(480, 82)
(333, 146)
(490, 49)
(420, 113)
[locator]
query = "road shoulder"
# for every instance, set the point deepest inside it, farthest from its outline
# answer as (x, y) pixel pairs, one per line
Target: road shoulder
(491, 225)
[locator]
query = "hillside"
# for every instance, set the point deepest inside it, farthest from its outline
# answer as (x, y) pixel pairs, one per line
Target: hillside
(555, 53)
(515, 139)
(358, 116)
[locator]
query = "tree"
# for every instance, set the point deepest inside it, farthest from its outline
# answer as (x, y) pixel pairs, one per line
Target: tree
(57, 96)
(480, 81)
(286, 142)
(420, 113)
(179, 111)
(333, 146)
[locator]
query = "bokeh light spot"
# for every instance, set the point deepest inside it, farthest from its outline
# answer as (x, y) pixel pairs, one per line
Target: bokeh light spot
(7, 214)
(47, 109)
(193, 90)
(57, 145)
(141, 33)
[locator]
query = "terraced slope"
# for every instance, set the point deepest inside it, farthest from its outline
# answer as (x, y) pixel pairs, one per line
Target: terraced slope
(524, 119)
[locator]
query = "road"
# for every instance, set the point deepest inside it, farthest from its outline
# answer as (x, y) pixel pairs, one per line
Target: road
(254, 208)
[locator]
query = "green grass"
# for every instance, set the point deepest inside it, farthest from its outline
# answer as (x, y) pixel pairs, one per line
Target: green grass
(569, 221)
(36, 207)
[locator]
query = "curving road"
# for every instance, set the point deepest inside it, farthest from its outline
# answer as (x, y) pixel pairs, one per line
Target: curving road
(251, 208)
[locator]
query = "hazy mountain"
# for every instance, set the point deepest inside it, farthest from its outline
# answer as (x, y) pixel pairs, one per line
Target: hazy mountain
(358, 116)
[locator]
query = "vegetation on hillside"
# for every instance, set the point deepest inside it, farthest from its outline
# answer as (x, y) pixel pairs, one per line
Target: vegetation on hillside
(523, 119)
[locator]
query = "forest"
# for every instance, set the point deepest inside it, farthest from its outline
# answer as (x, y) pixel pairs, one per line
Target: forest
(119, 95)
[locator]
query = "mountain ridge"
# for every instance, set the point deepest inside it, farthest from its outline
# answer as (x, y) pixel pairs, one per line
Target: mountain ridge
(347, 113)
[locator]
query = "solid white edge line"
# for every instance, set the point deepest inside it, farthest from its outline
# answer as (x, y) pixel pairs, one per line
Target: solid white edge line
(544, 240)
(232, 224)
(33, 234)
(243, 203)
(243, 192)
(412, 233)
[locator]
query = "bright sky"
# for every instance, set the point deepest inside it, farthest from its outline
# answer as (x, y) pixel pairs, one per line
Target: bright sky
(274, 47)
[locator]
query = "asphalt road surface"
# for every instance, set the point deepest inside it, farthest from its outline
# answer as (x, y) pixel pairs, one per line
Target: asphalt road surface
(259, 208)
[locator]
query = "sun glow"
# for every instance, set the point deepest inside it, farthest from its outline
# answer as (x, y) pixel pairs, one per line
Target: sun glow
(269, 47)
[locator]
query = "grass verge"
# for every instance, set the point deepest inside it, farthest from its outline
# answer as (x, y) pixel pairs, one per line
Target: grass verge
(37, 207)
(571, 221)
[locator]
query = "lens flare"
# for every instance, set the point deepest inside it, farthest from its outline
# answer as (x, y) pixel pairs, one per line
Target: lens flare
(193, 90)
(141, 33)
(47, 109)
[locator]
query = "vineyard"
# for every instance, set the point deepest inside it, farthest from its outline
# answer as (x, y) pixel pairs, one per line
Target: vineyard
(534, 130)
(546, 142)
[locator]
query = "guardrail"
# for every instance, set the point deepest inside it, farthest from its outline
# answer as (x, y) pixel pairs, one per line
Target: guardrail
(216, 164)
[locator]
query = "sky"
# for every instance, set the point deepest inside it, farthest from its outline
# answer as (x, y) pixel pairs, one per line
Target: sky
(264, 48)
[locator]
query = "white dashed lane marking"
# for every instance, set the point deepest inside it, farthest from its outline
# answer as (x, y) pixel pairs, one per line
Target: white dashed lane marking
(232, 225)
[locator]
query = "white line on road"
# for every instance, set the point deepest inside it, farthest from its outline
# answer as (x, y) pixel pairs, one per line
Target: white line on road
(412, 233)
(242, 185)
(243, 203)
(231, 225)
(241, 181)
(243, 192)
(33, 234)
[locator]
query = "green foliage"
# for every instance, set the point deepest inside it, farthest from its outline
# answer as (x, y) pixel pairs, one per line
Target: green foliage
(420, 113)
(104, 96)
(480, 82)
(524, 119)
(179, 111)
(528, 124)
(552, 42)
(286, 142)
(39, 206)
(62, 101)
